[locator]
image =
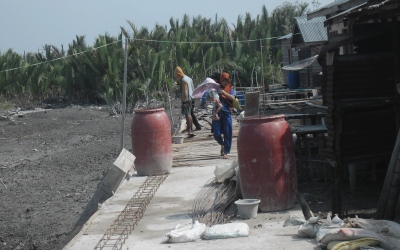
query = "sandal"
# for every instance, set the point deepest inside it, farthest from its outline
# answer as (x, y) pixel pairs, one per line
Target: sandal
(191, 134)
(225, 156)
(222, 150)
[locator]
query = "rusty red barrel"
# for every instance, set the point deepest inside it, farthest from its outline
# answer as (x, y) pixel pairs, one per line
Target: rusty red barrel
(267, 165)
(151, 141)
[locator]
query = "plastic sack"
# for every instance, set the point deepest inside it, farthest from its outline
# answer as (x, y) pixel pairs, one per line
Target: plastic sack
(230, 230)
(186, 234)
(337, 221)
(294, 220)
(225, 171)
(310, 228)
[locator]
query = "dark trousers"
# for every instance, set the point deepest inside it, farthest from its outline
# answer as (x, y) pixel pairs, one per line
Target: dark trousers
(194, 118)
(223, 127)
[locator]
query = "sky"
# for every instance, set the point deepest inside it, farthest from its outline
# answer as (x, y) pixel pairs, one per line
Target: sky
(28, 25)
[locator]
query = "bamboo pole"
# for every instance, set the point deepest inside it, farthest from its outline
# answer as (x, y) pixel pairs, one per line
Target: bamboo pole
(124, 94)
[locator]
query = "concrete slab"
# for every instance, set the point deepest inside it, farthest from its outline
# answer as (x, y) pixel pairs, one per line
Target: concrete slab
(194, 165)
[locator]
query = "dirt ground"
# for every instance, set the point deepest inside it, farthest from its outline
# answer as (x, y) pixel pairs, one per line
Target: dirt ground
(52, 160)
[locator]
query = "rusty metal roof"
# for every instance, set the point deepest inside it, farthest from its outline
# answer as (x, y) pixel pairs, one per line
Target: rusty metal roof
(312, 30)
(334, 8)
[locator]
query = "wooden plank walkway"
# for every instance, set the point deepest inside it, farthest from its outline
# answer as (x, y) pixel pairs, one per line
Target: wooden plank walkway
(203, 150)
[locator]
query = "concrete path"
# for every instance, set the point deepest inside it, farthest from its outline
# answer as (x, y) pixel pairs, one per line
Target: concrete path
(194, 164)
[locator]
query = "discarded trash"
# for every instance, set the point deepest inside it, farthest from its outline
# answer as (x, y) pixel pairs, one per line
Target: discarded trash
(186, 234)
(230, 230)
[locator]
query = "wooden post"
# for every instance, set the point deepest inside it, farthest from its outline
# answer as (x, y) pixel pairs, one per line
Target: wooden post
(252, 103)
(337, 189)
(352, 176)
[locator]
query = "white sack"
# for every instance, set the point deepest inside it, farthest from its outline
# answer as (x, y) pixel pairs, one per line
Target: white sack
(186, 234)
(225, 171)
(230, 230)
(309, 229)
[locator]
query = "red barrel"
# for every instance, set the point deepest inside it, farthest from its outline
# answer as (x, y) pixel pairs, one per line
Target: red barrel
(267, 163)
(151, 141)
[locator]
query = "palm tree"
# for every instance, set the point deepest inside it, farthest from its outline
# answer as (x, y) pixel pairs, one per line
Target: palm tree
(12, 68)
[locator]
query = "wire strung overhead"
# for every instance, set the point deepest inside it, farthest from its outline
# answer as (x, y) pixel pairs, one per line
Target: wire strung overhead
(134, 39)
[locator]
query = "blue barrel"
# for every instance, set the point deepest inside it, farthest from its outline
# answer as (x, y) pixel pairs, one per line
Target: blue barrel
(294, 80)
(240, 97)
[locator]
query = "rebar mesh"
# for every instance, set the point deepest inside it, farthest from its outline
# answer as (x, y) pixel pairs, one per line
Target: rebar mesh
(118, 232)
(212, 202)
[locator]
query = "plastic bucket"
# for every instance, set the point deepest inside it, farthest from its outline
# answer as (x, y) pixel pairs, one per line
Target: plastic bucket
(247, 208)
(177, 139)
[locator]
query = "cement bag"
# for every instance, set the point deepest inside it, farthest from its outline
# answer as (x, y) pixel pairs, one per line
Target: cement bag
(186, 234)
(225, 171)
(310, 228)
(230, 230)
(384, 227)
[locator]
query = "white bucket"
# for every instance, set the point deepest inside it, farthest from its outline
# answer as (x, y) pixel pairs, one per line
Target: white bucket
(177, 139)
(247, 208)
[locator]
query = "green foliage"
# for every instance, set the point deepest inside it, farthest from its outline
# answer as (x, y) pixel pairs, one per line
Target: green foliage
(200, 46)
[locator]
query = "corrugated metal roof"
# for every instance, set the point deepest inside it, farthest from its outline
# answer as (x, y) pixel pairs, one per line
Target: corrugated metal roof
(334, 7)
(330, 5)
(312, 30)
(347, 11)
